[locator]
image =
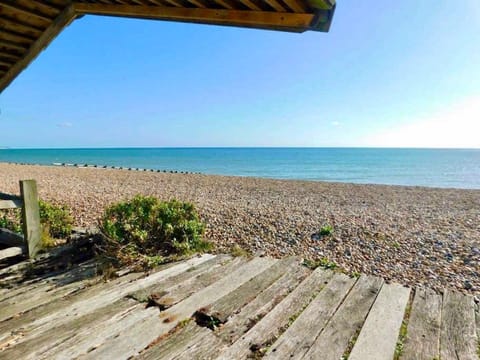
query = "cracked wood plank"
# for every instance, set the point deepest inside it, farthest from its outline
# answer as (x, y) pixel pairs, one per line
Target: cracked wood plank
(181, 279)
(167, 297)
(131, 340)
(299, 337)
(228, 305)
(189, 342)
(253, 312)
(378, 337)
(270, 327)
(423, 332)
(96, 300)
(458, 337)
(24, 321)
(347, 321)
(50, 343)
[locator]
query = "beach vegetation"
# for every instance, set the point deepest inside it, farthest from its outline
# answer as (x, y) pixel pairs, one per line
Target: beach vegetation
(56, 222)
(323, 263)
(403, 331)
(326, 230)
(10, 220)
(146, 232)
(238, 251)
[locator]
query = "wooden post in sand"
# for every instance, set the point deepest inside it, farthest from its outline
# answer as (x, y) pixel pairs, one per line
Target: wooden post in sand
(31, 217)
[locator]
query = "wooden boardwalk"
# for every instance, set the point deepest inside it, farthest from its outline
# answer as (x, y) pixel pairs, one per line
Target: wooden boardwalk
(219, 307)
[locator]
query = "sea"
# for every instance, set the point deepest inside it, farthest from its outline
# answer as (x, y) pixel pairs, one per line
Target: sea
(446, 168)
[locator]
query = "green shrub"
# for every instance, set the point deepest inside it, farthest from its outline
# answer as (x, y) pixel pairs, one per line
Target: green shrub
(56, 222)
(144, 230)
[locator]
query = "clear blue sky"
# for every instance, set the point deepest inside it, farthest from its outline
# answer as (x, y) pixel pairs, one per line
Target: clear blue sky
(389, 73)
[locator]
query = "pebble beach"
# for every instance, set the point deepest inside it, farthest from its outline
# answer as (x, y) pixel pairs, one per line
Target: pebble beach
(416, 236)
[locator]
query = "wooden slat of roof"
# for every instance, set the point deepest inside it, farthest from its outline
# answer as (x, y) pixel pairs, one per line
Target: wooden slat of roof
(28, 26)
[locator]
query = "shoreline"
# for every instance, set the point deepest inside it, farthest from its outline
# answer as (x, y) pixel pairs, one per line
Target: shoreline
(411, 234)
(127, 168)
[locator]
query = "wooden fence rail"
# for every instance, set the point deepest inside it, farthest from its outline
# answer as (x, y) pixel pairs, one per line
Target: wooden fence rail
(28, 202)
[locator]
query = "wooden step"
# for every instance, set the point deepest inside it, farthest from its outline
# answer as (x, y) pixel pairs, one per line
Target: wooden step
(378, 337)
(271, 326)
(132, 340)
(189, 342)
(301, 334)
(165, 297)
(347, 321)
(227, 306)
(423, 331)
(254, 311)
(458, 337)
(99, 299)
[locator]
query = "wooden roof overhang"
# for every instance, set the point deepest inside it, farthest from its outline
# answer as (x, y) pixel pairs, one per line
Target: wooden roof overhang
(28, 26)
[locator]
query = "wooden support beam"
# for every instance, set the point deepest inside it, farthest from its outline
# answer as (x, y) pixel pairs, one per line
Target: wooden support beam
(227, 4)
(274, 20)
(296, 5)
(62, 20)
(35, 14)
(276, 5)
(251, 5)
(31, 217)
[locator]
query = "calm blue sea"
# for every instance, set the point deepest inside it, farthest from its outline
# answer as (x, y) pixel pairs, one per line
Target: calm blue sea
(426, 167)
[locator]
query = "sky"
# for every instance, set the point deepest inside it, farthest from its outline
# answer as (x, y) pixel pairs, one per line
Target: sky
(388, 74)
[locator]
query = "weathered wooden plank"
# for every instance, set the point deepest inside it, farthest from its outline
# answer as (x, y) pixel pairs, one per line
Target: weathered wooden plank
(38, 297)
(202, 346)
(254, 311)
(173, 344)
(299, 337)
(31, 217)
(270, 327)
(423, 332)
(10, 204)
(198, 347)
(185, 279)
(85, 270)
(124, 342)
(379, 334)
(96, 300)
(62, 20)
(11, 252)
(202, 15)
(165, 297)
(458, 337)
(24, 322)
(347, 321)
(228, 305)
(186, 343)
(49, 344)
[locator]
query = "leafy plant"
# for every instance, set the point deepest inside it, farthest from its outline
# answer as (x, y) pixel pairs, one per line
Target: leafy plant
(144, 231)
(326, 230)
(56, 222)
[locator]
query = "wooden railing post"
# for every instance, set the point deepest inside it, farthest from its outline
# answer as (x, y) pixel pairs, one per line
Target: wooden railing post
(31, 217)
